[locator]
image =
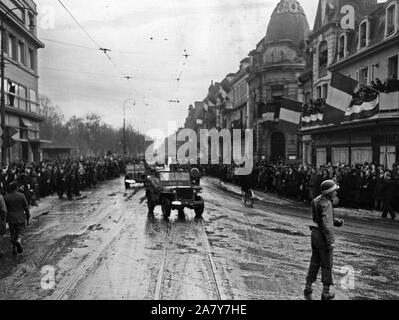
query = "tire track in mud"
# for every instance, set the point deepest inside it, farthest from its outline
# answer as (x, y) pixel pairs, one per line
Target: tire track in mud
(123, 222)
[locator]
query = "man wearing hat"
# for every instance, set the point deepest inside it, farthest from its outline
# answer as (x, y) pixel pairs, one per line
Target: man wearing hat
(323, 239)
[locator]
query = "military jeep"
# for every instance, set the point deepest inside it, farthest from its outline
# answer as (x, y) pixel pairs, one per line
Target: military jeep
(135, 173)
(175, 190)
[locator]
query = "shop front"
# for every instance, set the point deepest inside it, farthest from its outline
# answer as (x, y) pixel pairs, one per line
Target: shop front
(372, 143)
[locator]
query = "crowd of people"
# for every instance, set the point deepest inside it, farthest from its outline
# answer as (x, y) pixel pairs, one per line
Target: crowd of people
(365, 186)
(66, 178)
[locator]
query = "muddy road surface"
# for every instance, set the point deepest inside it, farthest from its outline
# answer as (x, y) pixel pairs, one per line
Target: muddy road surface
(106, 246)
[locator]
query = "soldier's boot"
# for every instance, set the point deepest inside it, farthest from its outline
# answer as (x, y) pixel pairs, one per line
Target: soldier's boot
(327, 294)
(307, 293)
(19, 245)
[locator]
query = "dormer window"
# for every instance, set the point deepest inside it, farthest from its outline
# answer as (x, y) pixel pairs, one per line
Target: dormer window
(390, 26)
(363, 34)
(342, 43)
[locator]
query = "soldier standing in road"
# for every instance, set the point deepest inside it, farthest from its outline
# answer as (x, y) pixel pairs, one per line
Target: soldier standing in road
(323, 240)
(18, 216)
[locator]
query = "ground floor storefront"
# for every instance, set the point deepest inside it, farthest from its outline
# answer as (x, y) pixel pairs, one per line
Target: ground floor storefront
(373, 142)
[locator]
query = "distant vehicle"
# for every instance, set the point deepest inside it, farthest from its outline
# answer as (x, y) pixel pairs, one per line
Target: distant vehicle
(176, 190)
(135, 173)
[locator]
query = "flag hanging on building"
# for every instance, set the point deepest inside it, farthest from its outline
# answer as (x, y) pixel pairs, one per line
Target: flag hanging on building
(363, 109)
(340, 95)
(290, 112)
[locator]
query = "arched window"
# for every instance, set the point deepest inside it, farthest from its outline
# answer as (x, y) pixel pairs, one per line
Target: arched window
(323, 58)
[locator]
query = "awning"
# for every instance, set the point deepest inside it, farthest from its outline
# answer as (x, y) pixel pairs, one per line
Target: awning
(26, 123)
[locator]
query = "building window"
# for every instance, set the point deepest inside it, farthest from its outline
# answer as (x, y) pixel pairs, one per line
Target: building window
(340, 155)
(361, 155)
(364, 76)
(363, 34)
(321, 157)
(21, 52)
(12, 90)
(388, 156)
(390, 20)
(11, 47)
(33, 104)
(393, 67)
(31, 59)
(323, 59)
(342, 46)
(325, 91)
(22, 95)
(318, 91)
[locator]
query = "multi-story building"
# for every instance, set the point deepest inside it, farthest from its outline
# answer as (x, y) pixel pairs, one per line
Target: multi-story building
(368, 54)
(21, 78)
(276, 65)
(238, 115)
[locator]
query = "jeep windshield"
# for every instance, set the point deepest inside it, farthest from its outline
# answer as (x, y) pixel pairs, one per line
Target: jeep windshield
(175, 178)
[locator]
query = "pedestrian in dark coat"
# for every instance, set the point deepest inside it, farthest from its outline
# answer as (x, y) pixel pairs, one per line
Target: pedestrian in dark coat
(3, 217)
(388, 191)
(18, 216)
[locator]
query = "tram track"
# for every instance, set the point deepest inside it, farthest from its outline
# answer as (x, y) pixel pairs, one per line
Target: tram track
(111, 236)
(171, 244)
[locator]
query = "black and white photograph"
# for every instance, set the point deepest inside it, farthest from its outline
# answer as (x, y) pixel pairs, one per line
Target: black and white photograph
(209, 153)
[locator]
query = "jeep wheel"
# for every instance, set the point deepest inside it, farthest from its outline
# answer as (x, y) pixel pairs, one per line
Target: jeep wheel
(127, 186)
(166, 208)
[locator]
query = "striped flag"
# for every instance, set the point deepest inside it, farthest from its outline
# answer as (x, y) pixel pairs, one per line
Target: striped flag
(290, 112)
(362, 110)
(339, 98)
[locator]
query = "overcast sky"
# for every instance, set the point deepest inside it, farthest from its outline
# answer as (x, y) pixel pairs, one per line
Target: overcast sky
(148, 39)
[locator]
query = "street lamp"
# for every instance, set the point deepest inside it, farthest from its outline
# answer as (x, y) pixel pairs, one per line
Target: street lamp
(2, 76)
(124, 123)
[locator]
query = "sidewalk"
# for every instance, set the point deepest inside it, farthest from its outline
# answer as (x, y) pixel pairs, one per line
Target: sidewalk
(275, 199)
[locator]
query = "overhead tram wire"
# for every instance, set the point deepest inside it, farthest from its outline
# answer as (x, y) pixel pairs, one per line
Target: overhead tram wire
(115, 51)
(99, 47)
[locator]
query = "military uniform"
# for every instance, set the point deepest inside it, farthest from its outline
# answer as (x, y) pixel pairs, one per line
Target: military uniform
(152, 192)
(323, 240)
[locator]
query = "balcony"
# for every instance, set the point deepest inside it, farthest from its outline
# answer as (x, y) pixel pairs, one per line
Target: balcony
(23, 107)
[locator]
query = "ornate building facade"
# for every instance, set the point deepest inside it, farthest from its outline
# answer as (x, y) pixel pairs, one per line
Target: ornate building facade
(368, 54)
(276, 64)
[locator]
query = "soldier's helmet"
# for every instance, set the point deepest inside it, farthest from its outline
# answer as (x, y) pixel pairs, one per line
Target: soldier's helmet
(328, 186)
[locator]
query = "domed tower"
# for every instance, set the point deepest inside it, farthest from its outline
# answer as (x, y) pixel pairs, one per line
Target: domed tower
(288, 22)
(286, 33)
(278, 62)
